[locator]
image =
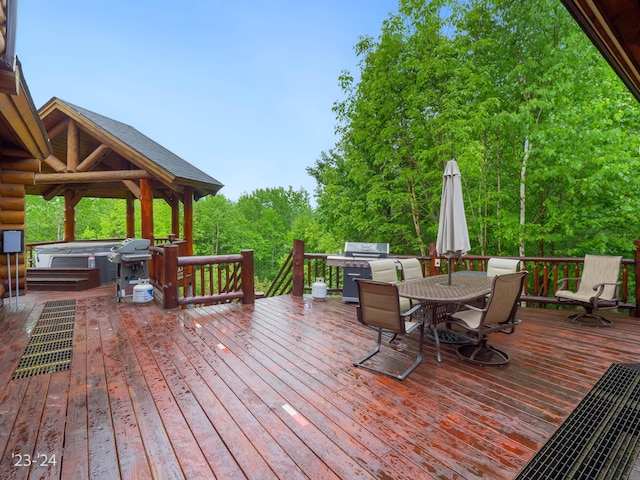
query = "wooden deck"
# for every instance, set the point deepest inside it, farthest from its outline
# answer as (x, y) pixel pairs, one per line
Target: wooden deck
(269, 392)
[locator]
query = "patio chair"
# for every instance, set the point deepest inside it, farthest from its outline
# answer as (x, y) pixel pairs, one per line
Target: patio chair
(411, 268)
(500, 266)
(497, 317)
(379, 309)
(386, 270)
(597, 289)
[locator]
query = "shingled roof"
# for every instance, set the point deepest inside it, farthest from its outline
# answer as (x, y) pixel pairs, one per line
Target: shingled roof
(155, 152)
(130, 149)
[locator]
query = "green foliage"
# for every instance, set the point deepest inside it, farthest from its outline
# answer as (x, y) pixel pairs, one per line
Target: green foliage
(520, 97)
(44, 219)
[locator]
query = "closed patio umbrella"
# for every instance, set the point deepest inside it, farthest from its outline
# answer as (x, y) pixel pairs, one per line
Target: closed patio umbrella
(453, 236)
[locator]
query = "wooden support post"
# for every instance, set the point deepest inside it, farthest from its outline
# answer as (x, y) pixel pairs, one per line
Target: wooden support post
(298, 268)
(73, 146)
(175, 216)
(248, 283)
(146, 209)
(131, 216)
(636, 311)
(69, 216)
(188, 219)
(170, 286)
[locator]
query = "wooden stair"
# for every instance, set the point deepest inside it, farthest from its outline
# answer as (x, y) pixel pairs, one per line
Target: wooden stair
(62, 279)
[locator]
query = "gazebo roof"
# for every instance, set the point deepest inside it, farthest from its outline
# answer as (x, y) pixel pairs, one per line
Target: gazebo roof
(110, 146)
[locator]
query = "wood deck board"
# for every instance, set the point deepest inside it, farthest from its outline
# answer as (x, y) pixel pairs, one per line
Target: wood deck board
(265, 395)
(147, 418)
(237, 419)
(209, 393)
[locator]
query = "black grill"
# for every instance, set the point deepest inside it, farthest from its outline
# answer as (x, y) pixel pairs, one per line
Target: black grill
(599, 440)
(354, 269)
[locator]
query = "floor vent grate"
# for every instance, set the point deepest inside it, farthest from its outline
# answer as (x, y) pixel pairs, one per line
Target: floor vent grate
(600, 439)
(49, 348)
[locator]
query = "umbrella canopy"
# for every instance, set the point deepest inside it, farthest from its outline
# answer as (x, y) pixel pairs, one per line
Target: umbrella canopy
(453, 236)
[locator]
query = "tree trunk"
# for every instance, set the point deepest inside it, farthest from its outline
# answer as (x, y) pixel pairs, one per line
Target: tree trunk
(523, 176)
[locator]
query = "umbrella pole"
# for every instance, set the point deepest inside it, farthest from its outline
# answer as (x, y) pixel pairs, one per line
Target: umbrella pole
(450, 264)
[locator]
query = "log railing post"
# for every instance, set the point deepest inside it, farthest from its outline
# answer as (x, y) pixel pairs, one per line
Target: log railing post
(636, 311)
(170, 286)
(248, 283)
(298, 268)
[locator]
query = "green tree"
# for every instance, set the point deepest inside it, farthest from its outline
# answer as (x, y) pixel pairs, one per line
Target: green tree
(44, 219)
(272, 213)
(543, 130)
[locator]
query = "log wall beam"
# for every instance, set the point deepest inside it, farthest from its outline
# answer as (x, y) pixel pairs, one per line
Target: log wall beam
(22, 165)
(12, 203)
(12, 190)
(91, 177)
(17, 177)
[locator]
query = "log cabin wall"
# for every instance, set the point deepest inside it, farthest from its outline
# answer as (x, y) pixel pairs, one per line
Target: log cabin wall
(15, 173)
(23, 146)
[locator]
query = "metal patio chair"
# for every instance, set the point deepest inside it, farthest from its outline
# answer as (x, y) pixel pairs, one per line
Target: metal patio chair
(411, 268)
(597, 289)
(498, 316)
(379, 309)
(386, 270)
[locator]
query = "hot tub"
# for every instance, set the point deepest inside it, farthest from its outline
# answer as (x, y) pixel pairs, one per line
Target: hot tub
(76, 255)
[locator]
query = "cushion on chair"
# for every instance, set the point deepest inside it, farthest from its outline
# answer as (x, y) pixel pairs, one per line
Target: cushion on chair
(385, 270)
(470, 317)
(500, 266)
(411, 268)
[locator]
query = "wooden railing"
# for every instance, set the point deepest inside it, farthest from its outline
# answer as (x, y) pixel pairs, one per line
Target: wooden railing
(300, 271)
(202, 280)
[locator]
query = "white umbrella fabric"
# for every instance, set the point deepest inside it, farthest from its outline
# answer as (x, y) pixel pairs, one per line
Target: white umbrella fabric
(453, 236)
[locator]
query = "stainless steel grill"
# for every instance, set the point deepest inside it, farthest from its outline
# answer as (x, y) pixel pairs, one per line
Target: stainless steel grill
(131, 257)
(355, 262)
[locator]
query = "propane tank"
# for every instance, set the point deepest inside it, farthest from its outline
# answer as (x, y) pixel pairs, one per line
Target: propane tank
(143, 292)
(319, 289)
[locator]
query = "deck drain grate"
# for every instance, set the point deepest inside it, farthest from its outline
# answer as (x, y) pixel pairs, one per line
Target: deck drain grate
(49, 348)
(601, 437)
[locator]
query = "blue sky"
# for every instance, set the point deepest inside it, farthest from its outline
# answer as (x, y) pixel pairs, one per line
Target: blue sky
(241, 89)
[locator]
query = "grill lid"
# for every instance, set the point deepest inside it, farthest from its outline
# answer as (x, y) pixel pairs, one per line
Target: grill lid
(366, 249)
